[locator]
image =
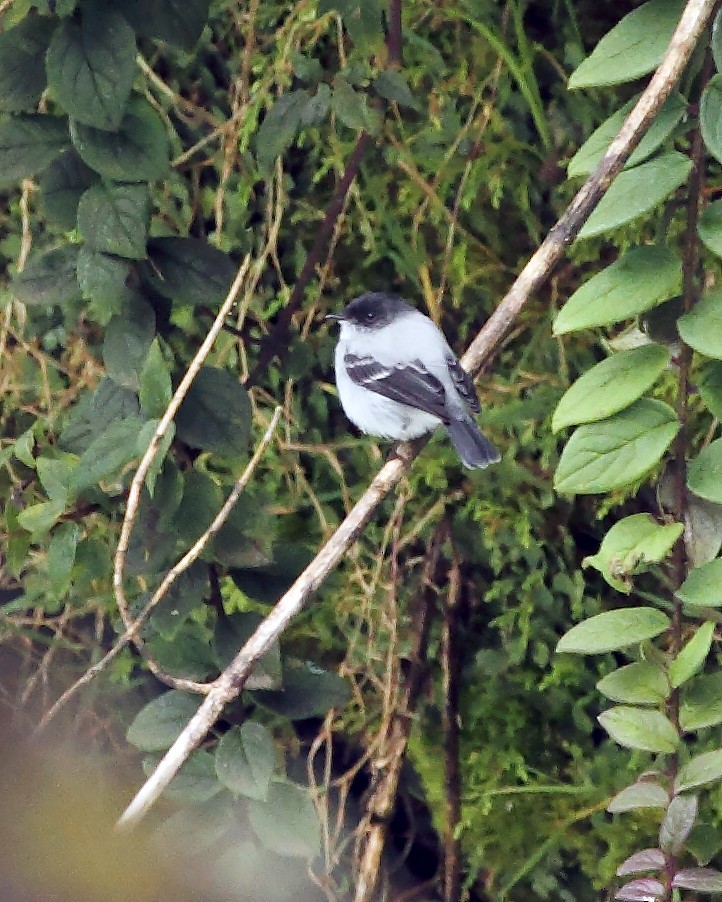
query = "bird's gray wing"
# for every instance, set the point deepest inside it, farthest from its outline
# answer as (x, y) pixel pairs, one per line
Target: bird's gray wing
(411, 383)
(463, 382)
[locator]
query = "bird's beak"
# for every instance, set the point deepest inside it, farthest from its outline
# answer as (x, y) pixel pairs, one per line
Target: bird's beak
(337, 317)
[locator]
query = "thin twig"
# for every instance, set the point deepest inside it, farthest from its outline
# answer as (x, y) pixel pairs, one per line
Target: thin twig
(451, 667)
(231, 681)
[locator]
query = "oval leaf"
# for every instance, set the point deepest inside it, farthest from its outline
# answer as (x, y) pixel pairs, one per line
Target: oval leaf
(215, 414)
(640, 683)
(704, 474)
(709, 227)
(612, 630)
(49, 278)
(617, 451)
(28, 144)
(637, 728)
(189, 271)
(703, 586)
(646, 860)
(710, 116)
(709, 384)
(700, 770)
(692, 657)
(643, 890)
(704, 880)
(245, 760)
(701, 703)
(677, 823)
(286, 823)
(157, 726)
(114, 219)
(642, 794)
(22, 63)
(701, 328)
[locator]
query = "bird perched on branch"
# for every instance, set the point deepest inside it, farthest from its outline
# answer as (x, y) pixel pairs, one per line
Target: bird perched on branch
(398, 378)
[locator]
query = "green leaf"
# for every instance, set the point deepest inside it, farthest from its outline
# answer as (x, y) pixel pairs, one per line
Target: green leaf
(704, 474)
(61, 554)
(704, 842)
(286, 823)
(709, 227)
(91, 65)
(246, 759)
(127, 342)
(49, 278)
(629, 545)
(640, 683)
(637, 191)
(137, 152)
(634, 47)
(612, 630)
(710, 116)
(699, 771)
(215, 414)
(188, 655)
(677, 823)
(189, 271)
(617, 451)
(195, 782)
(352, 108)
(703, 537)
(231, 635)
(393, 86)
(104, 279)
(639, 728)
(107, 454)
(317, 107)
(610, 386)
(691, 658)
(29, 143)
(279, 128)
(61, 187)
(54, 476)
(184, 596)
(155, 385)
(144, 439)
(716, 42)
(22, 70)
(200, 502)
(157, 726)
(308, 691)
(178, 22)
(709, 384)
(642, 794)
(39, 518)
(114, 219)
(703, 586)
(362, 19)
(591, 152)
(639, 280)
(268, 581)
(701, 328)
(701, 702)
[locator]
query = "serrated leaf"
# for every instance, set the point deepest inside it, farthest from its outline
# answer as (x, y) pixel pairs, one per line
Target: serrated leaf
(692, 656)
(640, 683)
(107, 454)
(591, 152)
(617, 451)
(640, 728)
(189, 271)
(29, 143)
(640, 279)
(646, 860)
(610, 386)
(178, 22)
(612, 630)
(137, 152)
(393, 86)
(699, 771)
(286, 823)
(113, 219)
(701, 328)
(709, 384)
(642, 794)
(91, 65)
(637, 191)
(703, 880)
(49, 278)
(710, 116)
(709, 227)
(701, 702)
(630, 544)
(22, 71)
(704, 474)
(677, 823)
(246, 759)
(157, 726)
(61, 187)
(308, 691)
(279, 128)
(703, 586)
(215, 414)
(128, 339)
(634, 47)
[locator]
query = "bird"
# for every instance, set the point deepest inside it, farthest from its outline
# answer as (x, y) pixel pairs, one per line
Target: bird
(397, 377)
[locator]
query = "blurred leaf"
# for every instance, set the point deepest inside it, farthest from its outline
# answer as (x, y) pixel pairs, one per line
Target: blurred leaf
(114, 219)
(179, 22)
(201, 501)
(709, 385)
(184, 596)
(634, 47)
(703, 586)
(352, 108)
(188, 655)
(692, 656)
(701, 328)
(136, 152)
(246, 759)
(145, 436)
(610, 386)
(709, 227)
(39, 518)
(316, 109)
(308, 691)
(703, 538)
(646, 860)
(630, 544)
(189, 271)
(639, 280)
(286, 823)
(640, 683)
(642, 794)
(61, 187)
(701, 702)
(703, 880)
(704, 842)
(637, 191)
(91, 66)
(104, 280)
(645, 889)
(195, 782)
(393, 86)
(716, 42)
(107, 454)
(61, 554)
(155, 385)
(710, 116)
(617, 451)
(677, 823)
(361, 18)
(29, 143)
(640, 728)
(157, 725)
(215, 414)
(279, 128)
(231, 634)
(22, 69)
(704, 474)
(612, 630)
(49, 278)
(269, 581)
(700, 770)
(128, 338)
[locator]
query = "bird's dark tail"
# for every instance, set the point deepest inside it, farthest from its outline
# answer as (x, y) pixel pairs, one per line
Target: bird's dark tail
(474, 448)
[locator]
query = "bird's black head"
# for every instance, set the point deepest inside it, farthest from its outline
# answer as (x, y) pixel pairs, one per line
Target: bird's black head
(373, 310)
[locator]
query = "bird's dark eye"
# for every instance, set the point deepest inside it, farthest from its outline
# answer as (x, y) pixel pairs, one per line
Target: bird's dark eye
(370, 316)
